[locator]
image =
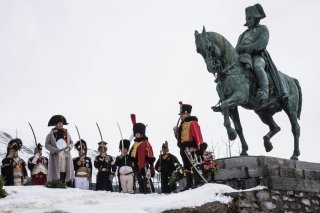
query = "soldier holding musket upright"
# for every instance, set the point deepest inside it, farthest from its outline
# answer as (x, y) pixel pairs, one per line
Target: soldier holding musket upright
(143, 159)
(189, 139)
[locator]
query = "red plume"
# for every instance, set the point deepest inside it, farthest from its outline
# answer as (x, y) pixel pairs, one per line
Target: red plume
(133, 118)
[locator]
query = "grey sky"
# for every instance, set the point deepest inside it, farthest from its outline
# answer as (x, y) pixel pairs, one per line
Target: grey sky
(99, 61)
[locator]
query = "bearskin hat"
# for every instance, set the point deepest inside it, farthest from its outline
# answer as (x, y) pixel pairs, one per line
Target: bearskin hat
(81, 145)
(185, 108)
(56, 119)
(15, 144)
(126, 144)
(39, 146)
(139, 128)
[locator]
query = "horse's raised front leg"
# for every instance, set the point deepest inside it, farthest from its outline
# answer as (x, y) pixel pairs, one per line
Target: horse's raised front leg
(234, 114)
(236, 99)
(274, 129)
(232, 134)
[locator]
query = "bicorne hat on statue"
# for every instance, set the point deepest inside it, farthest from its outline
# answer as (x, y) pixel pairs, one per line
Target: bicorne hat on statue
(255, 11)
(56, 119)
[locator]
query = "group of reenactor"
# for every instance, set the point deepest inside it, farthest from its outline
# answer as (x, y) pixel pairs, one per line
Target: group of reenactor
(135, 164)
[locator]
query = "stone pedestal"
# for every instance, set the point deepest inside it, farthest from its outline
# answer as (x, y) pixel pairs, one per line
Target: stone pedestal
(274, 173)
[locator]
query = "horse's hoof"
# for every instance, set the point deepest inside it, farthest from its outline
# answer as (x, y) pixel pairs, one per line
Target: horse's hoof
(216, 108)
(294, 157)
(268, 146)
(232, 134)
(244, 153)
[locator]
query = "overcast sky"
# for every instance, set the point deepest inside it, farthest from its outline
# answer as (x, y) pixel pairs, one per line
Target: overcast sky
(100, 61)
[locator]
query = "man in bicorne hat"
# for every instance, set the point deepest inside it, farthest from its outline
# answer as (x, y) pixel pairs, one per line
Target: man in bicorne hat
(82, 167)
(38, 166)
(143, 159)
(190, 141)
(59, 144)
(166, 165)
(105, 165)
(125, 169)
(251, 47)
(13, 168)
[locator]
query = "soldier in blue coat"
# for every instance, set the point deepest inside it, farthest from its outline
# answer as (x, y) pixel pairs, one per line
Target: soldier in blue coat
(105, 165)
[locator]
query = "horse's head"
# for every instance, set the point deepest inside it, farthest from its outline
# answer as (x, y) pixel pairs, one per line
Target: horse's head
(215, 49)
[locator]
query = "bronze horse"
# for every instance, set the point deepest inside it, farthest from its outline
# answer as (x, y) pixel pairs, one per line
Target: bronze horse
(236, 87)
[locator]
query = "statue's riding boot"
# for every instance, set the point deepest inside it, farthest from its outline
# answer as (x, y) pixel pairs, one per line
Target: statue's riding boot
(263, 90)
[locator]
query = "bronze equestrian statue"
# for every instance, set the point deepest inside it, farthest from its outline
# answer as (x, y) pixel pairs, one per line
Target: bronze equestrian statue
(247, 77)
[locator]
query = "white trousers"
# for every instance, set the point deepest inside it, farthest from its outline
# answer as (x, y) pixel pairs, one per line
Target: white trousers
(81, 183)
(62, 161)
(127, 183)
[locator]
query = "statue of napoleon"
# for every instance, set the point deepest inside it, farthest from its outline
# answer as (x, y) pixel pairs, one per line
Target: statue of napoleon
(246, 76)
(251, 47)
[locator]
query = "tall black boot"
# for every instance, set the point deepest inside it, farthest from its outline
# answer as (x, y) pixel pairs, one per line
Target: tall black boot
(189, 178)
(63, 176)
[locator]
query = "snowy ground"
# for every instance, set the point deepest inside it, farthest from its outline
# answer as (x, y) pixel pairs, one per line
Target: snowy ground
(32, 199)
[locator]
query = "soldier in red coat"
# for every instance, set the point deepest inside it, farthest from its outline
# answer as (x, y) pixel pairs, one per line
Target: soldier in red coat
(189, 139)
(143, 159)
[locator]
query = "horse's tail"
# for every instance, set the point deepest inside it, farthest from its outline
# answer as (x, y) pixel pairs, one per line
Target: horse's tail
(300, 97)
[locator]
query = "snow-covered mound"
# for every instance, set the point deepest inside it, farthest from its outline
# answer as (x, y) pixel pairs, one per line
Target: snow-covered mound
(33, 199)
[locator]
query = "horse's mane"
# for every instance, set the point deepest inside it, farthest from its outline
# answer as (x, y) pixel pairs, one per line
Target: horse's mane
(226, 48)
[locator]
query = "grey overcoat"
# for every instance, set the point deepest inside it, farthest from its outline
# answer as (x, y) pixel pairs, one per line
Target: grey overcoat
(53, 165)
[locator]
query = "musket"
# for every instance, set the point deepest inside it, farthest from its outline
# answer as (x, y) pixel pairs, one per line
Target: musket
(34, 135)
(121, 137)
(159, 178)
(179, 119)
(79, 140)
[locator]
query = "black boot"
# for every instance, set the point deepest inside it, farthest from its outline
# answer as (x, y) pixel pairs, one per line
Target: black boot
(189, 178)
(63, 176)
